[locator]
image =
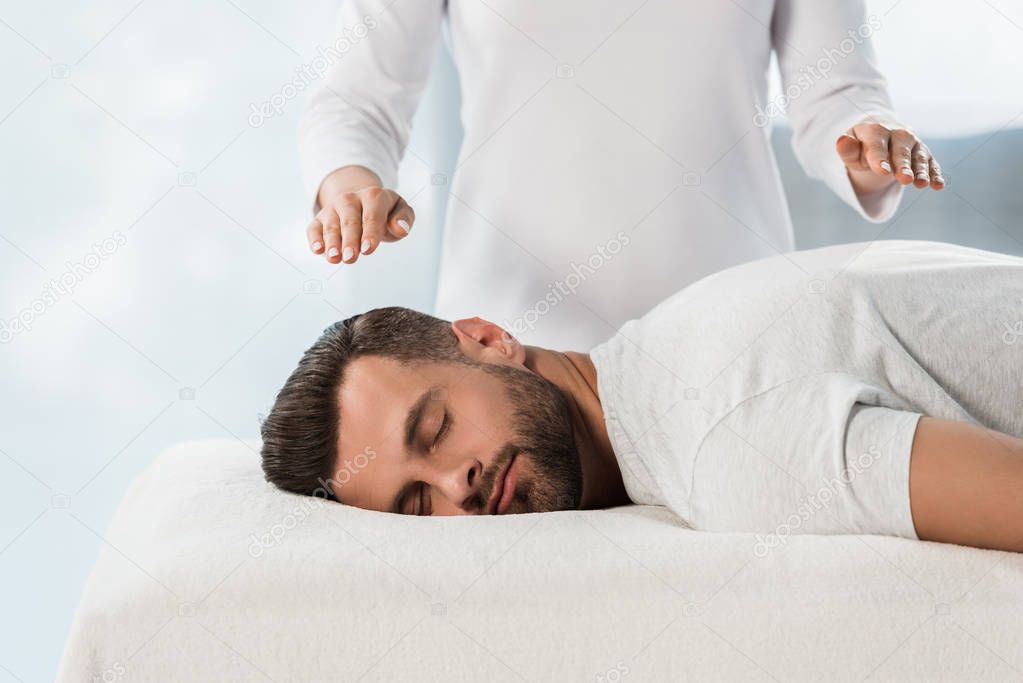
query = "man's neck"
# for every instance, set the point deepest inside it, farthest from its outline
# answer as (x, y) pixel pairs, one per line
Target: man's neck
(576, 376)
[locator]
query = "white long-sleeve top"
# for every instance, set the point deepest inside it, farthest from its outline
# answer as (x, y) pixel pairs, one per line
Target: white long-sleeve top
(614, 152)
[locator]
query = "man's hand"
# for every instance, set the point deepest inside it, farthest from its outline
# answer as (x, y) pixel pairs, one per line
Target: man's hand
(876, 155)
(357, 214)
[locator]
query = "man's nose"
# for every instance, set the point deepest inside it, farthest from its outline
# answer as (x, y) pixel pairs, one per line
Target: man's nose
(458, 481)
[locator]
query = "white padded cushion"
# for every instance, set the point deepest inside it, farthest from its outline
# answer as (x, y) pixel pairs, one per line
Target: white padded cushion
(188, 588)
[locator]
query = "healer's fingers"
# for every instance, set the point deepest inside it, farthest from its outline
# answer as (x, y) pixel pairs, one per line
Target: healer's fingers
(937, 177)
(850, 151)
(901, 149)
(400, 221)
(331, 234)
(314, 235)
(875, 139)
(377, 204)
(921, 166)
(350, 212)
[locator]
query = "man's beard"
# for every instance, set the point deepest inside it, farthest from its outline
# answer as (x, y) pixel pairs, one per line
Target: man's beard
(544, 438)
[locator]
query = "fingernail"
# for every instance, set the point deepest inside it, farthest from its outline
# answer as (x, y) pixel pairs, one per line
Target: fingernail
(333, 252)
(365, 246)
(939, 179)
(922, 176)
(348, 254)
(906, 170)
(403, 224)
(317, 246)
(886, 166)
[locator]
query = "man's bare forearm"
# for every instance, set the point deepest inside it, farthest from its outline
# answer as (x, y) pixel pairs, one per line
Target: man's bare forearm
(966, 485)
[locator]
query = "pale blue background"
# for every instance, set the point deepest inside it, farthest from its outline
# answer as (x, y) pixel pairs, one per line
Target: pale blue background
(107, 107)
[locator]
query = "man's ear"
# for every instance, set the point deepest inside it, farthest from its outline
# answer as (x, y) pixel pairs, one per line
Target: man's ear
(480, 339)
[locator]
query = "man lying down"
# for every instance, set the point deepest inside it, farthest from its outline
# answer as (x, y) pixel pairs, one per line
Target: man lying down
(882, 394)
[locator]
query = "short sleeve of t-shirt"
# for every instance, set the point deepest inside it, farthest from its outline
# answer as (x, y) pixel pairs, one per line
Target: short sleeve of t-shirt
(826, 453)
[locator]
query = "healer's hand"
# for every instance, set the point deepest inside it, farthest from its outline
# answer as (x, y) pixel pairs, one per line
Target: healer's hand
(355, 221)
(876, 154)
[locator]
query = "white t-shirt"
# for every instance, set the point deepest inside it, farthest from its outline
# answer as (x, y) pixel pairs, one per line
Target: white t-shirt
(784, 393)
(592, 126)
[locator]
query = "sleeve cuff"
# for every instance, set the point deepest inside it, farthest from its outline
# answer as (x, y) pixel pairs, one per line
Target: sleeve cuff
(876, 207)
(822, 161)
(880, 206)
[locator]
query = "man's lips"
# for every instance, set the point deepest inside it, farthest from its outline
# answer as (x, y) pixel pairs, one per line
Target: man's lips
(504, 488)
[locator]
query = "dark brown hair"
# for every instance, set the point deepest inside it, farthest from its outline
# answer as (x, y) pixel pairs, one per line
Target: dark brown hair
(300, 433)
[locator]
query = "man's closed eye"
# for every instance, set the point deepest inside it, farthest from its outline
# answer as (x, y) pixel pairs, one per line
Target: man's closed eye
(424, 491)
(445, 426)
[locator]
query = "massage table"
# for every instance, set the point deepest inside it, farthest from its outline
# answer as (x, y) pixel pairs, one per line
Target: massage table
(209, 574)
